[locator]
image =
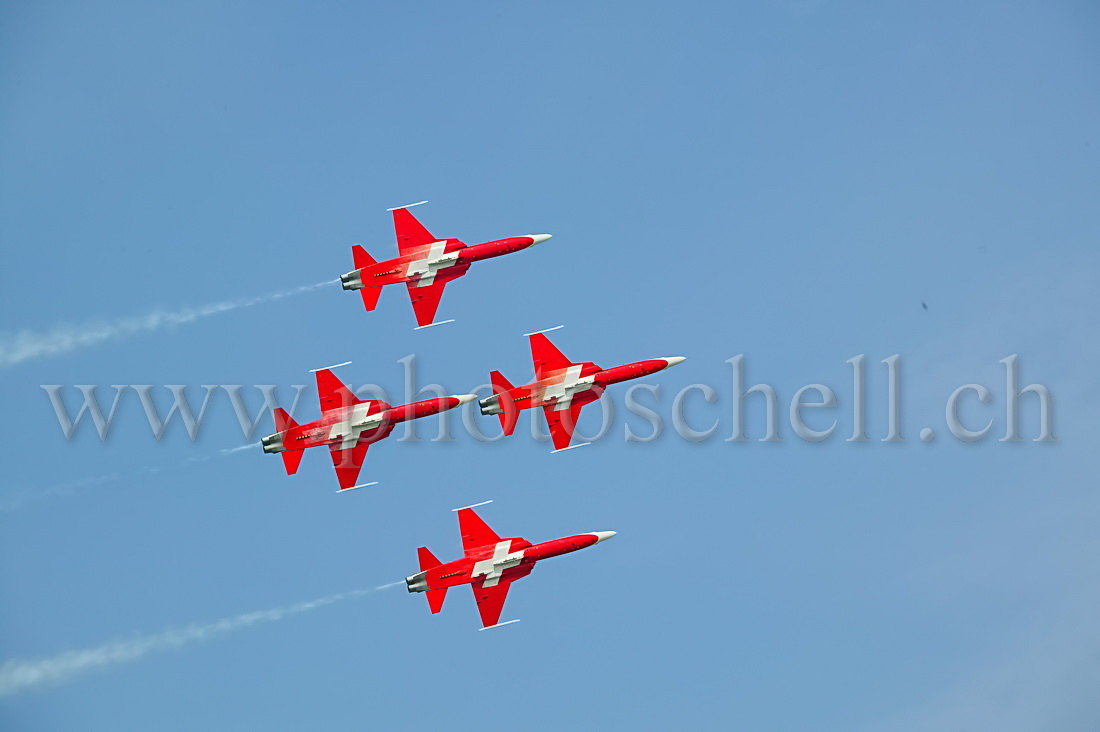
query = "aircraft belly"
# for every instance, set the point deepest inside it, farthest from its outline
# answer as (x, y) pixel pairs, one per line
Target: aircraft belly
(493, 568)
(423, 272)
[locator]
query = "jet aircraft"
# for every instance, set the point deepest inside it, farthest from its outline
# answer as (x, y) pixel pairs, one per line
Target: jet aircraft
(348, 426)
(425, 264)
(490, 565)
(561, 388)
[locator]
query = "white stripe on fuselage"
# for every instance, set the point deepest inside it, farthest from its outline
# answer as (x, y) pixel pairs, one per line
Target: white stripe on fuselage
(493, 568)
(564, 390)
(435, 260)
(355, 423)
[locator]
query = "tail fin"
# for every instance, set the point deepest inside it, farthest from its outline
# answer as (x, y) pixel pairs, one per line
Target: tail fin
(370, 297)
(291, 458)
(509, 415)
(362, 259)
(435, 597)
(283, 421)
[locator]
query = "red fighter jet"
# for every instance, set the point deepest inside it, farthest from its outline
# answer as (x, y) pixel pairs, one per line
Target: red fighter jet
(490, 566)
(561, 388)
(425, 265)
(347, 426)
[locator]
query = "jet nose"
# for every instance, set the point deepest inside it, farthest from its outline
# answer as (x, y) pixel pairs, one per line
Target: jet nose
(673, 360)
(538, 238)
(603, 535)
(464, 398)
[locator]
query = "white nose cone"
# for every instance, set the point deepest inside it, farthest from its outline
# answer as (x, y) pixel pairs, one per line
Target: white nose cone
(538, 238)
(603, 535)
(673, 360)
(464, 398)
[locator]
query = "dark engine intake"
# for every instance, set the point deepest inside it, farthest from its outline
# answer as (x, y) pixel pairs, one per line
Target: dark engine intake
(490, 405)
(352, 280)
(273, 443)
(418, 582)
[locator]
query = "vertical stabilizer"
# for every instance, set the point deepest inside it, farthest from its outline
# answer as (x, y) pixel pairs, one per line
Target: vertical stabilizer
(508, 415)
(435, 597)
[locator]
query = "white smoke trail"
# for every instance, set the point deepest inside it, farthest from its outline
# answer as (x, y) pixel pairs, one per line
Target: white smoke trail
(231, 450)
(14, 498)
(223, 452)
(22, 675)
(18, 497)
(16, 348)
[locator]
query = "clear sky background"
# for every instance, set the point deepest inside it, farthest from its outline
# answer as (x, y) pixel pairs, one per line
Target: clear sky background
(788, 182)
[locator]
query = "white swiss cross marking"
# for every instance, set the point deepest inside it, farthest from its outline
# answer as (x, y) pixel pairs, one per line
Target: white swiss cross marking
(493, 567)
(567, 388)
(356, 422)
(427, 268)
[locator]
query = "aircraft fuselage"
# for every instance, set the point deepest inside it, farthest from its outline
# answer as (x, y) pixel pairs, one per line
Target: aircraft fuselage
(501, 561)
(442, 259)
(368, 421)
(581, 383)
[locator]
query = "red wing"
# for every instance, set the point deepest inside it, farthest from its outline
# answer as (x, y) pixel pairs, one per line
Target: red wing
(425, 300)
(411, 234)
(546, 356)
(348, 463)
(332, 391)
(562, 423)
(490, 600)
(475, 532)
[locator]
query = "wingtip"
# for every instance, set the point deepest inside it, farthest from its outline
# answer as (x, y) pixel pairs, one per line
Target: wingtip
(472, 505)
(432, 325)
(355, 487)
(544, 330)
(329, 368)
(407, 205)
(571, 447)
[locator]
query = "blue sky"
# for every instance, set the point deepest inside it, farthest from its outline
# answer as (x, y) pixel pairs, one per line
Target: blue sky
(788, 182)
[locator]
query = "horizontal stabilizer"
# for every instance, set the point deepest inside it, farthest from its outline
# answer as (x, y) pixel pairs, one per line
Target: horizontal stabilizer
(499, 382)
(283, 421)
(427, 559)
(509, 415)
(355, 281)
(370, 297)
(506, 622)
(291, 460)
(436, 598)
(360, 257)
